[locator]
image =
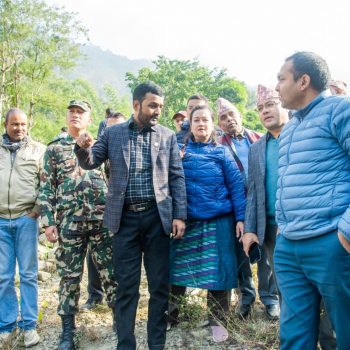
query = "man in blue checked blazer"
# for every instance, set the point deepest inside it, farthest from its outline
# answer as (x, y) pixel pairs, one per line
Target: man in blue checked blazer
(146, 201)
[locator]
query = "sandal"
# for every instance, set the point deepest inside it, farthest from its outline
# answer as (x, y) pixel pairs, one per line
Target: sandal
(220, 333)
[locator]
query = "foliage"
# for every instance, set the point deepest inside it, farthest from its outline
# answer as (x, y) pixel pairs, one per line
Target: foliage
(35, 41)
(39, 42)
(255, 332)
(116, 102)
(181, 79)
(251, 104)
(50, 114)
(252, 121)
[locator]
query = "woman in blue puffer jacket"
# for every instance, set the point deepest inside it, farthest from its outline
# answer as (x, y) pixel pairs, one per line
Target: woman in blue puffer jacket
(205, 257)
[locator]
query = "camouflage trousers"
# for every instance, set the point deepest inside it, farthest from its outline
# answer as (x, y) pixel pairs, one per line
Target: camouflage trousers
(70, 255)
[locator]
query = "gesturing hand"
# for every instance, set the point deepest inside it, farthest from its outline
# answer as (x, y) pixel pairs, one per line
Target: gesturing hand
(85, 140)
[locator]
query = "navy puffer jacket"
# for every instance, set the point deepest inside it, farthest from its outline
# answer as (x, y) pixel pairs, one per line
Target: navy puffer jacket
(313, 195)
(214, 185)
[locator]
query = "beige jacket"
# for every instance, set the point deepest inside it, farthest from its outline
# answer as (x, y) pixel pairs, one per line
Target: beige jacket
(19, 179)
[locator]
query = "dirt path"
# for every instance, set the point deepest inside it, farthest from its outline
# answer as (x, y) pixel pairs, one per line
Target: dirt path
(95, 327)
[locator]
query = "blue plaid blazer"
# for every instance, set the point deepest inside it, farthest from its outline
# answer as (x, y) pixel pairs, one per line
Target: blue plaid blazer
(168, 177)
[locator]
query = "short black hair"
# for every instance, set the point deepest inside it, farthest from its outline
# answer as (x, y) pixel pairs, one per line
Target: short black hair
(144, 88)
(109, 111)
(64, 129)
(306, 62)
(198, 97)
(116, 115)
(13, 111)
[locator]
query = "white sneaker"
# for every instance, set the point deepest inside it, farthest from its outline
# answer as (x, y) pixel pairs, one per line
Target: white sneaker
(31, 338)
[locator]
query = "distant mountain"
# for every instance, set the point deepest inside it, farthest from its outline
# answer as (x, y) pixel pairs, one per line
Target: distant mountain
(101, 67)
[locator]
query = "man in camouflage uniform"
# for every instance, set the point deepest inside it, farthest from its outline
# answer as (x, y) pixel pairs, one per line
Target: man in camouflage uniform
(72, 201)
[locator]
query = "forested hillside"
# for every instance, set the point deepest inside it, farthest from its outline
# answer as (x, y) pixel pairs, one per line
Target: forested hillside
(101, 67)
(44, 65)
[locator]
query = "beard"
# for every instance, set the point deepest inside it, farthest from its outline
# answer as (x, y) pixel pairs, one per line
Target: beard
(147, 120)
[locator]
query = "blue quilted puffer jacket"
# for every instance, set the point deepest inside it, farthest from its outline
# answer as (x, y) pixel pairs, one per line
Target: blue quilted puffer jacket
(214, 185)
(313, 195)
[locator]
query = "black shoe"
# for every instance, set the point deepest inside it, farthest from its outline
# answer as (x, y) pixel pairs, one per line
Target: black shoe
(68, 332)
(171, 323)
(273, 312)
(90, 304)
(244, 311)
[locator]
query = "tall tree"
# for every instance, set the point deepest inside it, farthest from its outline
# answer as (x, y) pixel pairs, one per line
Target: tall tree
(10, 50)
(181, 79)
(51, 110)
(115, 101)
(36, 40)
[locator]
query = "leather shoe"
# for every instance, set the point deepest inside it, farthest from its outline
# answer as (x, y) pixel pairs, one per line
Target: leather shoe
(244, 310)
(273, 312)
(90, 304)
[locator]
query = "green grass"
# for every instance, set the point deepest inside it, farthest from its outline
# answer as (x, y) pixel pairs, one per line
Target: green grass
(256, 332)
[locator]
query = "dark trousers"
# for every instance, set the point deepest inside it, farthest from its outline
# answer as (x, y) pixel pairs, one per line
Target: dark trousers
(94, 286)
(267, 286)
(308, 270)
(141, 235)
(218, 303)
(326, 337)
(269, 248)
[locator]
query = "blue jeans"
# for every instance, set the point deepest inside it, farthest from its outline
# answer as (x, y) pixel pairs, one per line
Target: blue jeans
(307, 270)
(18, 241)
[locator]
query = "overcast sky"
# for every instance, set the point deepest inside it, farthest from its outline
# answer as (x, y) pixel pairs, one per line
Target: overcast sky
(251, 38)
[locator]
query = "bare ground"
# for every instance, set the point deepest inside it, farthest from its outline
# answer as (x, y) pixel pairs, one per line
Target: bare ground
(95, 327)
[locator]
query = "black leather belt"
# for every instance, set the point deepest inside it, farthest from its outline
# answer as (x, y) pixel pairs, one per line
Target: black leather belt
(139, 206)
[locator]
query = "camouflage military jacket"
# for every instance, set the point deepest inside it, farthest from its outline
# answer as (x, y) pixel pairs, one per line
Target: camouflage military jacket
(67, 192)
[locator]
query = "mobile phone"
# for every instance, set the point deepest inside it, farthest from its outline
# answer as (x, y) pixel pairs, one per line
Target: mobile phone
(254, 253)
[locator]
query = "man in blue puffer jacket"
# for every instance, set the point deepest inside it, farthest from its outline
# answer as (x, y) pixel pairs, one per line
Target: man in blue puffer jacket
(312, 254)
